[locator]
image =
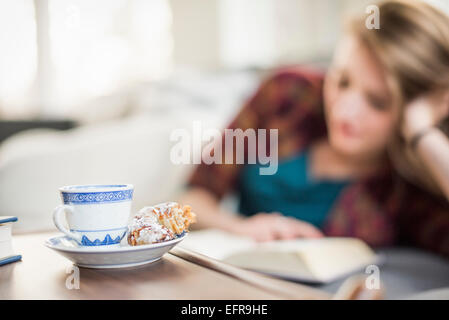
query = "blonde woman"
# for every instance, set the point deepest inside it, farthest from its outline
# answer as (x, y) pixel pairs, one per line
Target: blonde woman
(362, 149)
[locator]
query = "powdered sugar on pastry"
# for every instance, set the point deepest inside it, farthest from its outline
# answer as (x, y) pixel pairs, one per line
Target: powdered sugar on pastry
(171, 215)
(148, 234)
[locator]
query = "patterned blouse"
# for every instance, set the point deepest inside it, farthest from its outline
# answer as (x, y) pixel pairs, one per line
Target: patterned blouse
(382, 209)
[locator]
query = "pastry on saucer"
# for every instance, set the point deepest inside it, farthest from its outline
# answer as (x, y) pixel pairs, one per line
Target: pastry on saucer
(146, 232)
(172, 215)
(159, 223)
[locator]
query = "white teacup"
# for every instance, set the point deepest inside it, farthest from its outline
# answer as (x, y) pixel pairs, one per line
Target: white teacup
(97, 215)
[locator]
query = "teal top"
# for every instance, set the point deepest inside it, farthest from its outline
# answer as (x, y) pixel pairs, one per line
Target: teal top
(290, 191)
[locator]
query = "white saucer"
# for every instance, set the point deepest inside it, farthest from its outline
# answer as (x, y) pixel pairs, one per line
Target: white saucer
(118, 256)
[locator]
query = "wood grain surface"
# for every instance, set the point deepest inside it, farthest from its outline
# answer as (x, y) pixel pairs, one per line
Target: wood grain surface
(42, 274)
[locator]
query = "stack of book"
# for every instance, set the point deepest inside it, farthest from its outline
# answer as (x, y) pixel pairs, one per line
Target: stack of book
(7, 254)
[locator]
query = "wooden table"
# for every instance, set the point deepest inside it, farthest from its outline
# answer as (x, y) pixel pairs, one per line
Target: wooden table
(42, 274)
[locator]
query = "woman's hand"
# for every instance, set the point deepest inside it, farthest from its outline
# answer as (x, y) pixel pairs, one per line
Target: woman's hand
(425, 112)
(274, 226)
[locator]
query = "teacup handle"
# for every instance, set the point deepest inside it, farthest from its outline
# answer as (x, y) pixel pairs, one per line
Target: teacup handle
(57, 219)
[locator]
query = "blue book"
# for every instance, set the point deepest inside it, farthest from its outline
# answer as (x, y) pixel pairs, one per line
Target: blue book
(7, 254)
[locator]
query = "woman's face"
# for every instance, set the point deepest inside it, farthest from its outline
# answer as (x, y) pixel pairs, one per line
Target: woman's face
(359, 109)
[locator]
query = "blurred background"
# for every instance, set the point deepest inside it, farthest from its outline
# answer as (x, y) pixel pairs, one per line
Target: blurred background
(90, 90)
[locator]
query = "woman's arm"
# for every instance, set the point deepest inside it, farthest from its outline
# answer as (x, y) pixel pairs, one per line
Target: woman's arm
(433, 149)
(425, 219)
(430, 143)
(261, 227)
(207, 207)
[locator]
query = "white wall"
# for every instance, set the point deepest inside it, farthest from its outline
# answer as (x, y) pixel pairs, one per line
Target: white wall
(195, 33)
(257, 33)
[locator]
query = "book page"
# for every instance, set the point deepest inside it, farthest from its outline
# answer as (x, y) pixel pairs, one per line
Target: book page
(5, 232)
(215, 243)
(5, 249)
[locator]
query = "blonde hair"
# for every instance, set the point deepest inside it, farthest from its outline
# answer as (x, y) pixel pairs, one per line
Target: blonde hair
(412, 43)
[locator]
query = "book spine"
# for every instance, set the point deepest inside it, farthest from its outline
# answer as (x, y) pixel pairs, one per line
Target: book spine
(10, 259)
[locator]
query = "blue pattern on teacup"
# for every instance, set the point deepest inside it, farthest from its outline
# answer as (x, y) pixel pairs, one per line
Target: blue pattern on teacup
(97, 197)
(95, 186)
(109, 236)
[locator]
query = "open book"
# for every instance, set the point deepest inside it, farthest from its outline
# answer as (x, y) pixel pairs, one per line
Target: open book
(307, 260)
